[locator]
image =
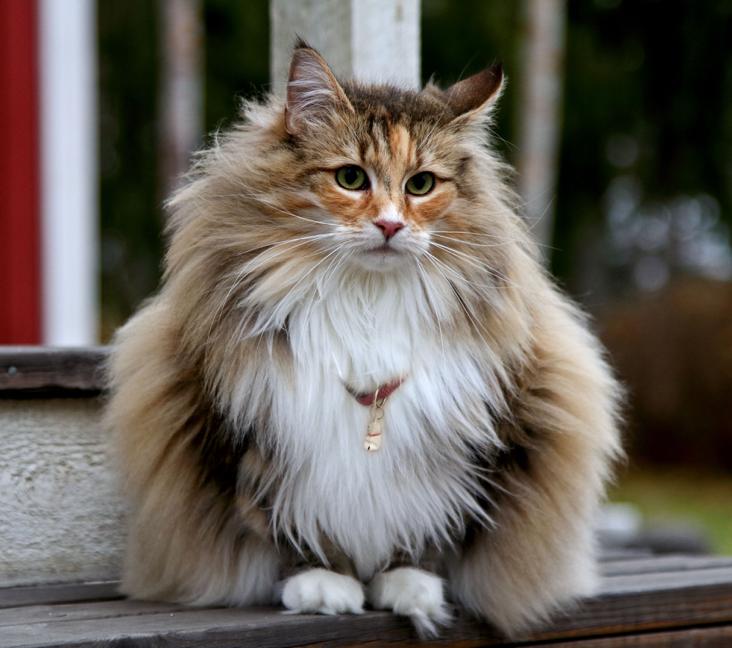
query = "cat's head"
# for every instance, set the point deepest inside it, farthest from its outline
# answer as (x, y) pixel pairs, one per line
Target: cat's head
(348, 180)
(388, 170)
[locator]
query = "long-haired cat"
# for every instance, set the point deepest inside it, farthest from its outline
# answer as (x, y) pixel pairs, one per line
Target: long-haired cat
(357, 384)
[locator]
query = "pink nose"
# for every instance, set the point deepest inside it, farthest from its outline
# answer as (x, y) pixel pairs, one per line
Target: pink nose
(388, 227)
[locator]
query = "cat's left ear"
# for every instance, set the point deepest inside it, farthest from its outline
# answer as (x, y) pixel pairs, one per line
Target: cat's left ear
(475, 97)
(313, 92)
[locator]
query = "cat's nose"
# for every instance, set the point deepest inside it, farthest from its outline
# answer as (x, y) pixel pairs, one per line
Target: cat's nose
(388, 227)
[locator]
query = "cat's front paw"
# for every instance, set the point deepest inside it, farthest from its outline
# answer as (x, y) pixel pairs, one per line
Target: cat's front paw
(324, 592)
(414, 593)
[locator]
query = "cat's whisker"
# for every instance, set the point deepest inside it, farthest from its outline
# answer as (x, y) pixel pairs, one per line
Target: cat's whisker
(496, 274)
(311, 237)
(481, 288)
(284, 299)
(273, 253)
(242, 274)
(261, 199)
(342, 258)
(475, 318)
(477, 327)
(424, 281)
(481, 291)
(486, 235)
(481, 236)
(469, 243)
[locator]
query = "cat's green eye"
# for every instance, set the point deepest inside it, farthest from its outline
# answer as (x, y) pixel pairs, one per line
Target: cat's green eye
(420, 184)
(352, 178)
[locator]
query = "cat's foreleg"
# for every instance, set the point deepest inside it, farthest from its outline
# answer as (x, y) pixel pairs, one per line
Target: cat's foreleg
(322, 591)
(560, 445)
(412, 592)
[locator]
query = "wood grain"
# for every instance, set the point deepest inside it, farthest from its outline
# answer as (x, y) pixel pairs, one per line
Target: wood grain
(55, 593)
(667, 563)
(712, 637)
(46, 371)
(648, 605)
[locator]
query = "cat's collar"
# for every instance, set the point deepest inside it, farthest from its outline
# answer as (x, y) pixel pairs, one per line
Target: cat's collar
(381, 393)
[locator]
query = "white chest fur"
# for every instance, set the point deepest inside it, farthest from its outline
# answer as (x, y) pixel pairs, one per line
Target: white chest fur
(418, 487)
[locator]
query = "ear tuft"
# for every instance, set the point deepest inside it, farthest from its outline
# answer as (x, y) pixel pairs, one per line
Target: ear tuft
(300, 43)
(313, 92)
(476, 94)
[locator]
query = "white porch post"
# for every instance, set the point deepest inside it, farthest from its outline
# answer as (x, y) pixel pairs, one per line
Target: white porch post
(541, 96)
(69, 179)
(371, 40)
(181, 98)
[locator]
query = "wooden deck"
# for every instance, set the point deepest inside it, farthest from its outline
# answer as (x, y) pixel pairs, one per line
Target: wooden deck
(61, 537)
(664, 601)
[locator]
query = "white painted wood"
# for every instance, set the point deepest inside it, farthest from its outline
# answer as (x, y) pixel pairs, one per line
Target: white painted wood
(69, 171)
(181, 98)
(541, 93)
(59, 511)
(371, 40)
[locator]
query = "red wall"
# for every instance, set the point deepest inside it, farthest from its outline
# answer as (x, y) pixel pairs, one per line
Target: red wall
(20, 258)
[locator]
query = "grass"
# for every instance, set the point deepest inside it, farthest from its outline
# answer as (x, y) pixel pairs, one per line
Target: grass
(679, 495)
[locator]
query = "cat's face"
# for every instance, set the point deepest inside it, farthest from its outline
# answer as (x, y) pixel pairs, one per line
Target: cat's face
(384, 191)
(384, 168)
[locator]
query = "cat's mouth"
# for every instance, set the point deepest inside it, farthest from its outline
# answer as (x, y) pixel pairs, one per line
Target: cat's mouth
(382, 258)
(383, 249)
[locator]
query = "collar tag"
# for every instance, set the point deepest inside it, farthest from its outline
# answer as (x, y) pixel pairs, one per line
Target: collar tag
(375, 428)
(376, 403)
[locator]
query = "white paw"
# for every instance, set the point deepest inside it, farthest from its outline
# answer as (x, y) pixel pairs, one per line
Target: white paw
(323, 591)
(414, 593)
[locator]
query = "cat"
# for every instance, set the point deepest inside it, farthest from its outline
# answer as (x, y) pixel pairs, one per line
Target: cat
(357, 384)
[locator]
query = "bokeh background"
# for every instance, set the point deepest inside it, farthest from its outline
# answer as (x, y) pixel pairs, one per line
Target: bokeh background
(639, 212)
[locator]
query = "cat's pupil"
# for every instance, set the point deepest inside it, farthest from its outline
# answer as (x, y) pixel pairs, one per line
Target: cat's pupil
(352, 175)
(419, 182)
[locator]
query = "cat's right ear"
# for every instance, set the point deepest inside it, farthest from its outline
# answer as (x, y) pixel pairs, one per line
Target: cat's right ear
(313, 92)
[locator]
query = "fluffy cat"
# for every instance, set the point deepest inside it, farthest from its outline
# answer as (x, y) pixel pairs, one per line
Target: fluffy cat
(342, 263)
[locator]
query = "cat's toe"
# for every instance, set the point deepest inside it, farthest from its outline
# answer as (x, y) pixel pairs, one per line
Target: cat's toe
(414, 593)
(323, 592)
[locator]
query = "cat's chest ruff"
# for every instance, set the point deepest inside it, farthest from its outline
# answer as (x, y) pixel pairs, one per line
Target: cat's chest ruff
(418, 487)
(364, 337)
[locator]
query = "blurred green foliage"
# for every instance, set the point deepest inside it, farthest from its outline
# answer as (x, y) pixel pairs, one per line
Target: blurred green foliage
(699, 499)
(129, 195)
(237, 56)
(656, 74)
(461, 38)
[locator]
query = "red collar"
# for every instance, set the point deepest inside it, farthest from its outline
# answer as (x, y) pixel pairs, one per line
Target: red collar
(382, 392)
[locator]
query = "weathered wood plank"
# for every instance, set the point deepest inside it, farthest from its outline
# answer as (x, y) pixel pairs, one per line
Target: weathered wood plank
(84, 611)
(13, 597)
(671, 563)
(56, 593)
(611, 554)
(222, 628)
(624, 584)
(60, 512)
(642, 604)
(712, 637)
(47, 371)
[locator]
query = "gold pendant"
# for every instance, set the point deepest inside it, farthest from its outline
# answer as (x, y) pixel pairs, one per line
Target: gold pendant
(375, 428)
